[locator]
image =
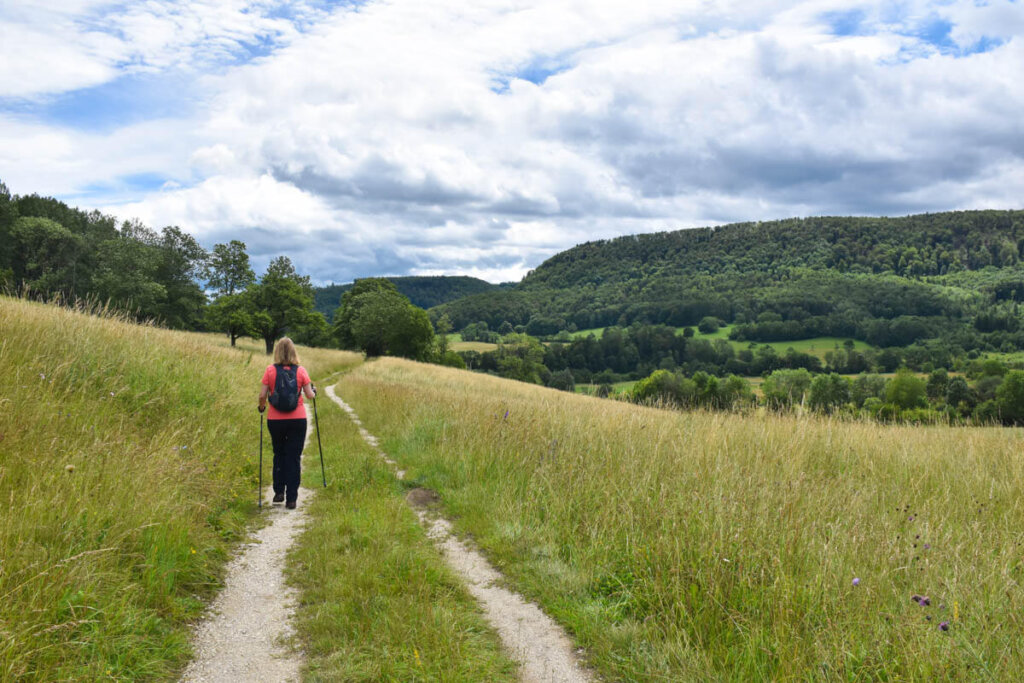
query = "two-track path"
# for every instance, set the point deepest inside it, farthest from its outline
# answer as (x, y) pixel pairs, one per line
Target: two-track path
(540, 646)
(246, 634)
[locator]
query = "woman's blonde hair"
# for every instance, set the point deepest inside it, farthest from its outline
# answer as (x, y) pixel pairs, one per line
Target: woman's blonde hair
(284, 352)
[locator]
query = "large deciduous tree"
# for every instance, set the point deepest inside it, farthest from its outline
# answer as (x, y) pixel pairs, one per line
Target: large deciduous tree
(376, 318)
(228, 274)
(282, 300)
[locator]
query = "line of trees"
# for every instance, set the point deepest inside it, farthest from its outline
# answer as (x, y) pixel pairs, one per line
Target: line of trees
(994, 397)
(49, 250)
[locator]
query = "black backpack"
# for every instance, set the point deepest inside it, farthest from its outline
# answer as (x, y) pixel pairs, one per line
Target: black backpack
(285, 396)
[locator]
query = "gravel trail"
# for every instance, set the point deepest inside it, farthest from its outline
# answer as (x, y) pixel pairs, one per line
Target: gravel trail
(544, 652)
(245, 635)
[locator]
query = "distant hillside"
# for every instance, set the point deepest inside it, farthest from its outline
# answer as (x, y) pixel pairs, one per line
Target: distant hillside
(888, 281)
(423, 291)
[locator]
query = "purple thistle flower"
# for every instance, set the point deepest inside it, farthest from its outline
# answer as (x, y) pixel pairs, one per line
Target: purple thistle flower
(506, 416)
(922, 600)
(856, 581)
(927, 546)
(944, 626)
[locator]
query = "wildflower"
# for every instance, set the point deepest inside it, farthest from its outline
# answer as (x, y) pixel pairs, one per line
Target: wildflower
(42, 376)
(193, 551)
(417, 653)
(111, 393)
(69, 468)
(927, 546)
(922, 600)
(944, 626)
(856, 581)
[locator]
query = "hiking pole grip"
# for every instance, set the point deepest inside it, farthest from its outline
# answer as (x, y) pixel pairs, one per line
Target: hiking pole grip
(323, 472)
(259, 489)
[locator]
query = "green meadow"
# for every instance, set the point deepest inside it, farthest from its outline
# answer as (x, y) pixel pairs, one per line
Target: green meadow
(696, 546)
(670, 545)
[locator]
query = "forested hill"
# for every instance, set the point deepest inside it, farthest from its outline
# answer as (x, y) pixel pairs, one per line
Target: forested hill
(887, 281)
(422, 291)
(927, 244)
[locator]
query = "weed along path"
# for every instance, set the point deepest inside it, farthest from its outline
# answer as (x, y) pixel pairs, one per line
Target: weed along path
(544, 652)
(245, 635)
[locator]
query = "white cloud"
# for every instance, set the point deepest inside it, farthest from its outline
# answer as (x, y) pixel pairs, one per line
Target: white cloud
(408, 136)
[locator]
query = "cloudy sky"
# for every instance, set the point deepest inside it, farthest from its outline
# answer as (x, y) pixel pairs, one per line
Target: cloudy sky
(481, 136)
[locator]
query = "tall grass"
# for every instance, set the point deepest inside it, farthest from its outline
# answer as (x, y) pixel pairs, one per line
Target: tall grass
(689, 546)
(377, 601)
(127, 470)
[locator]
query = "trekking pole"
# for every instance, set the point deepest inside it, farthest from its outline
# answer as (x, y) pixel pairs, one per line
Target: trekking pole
(316, 417)
(259, 490)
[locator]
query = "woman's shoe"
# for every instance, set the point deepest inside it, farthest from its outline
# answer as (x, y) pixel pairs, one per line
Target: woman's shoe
(278, 497)
(290, 505)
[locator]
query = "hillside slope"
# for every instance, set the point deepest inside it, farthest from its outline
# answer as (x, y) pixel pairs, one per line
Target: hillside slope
(722, 546)
(422, 291)
(956, 275)
(127, 471)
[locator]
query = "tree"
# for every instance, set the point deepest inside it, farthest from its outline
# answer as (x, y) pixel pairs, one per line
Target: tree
(959, 395)
(45, 255)
(938, 380)
(228, 274)
(180, 261)
(280, 301)
(709, 324)
(1010, 397)
(906, 390)
(783, 388)
(563, 380)
(829, 392)
(351, 302)
(375, 318)
(228, 271)
(444, 326)
(231, 314)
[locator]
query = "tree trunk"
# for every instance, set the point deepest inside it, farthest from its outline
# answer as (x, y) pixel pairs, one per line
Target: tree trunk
(270, 344)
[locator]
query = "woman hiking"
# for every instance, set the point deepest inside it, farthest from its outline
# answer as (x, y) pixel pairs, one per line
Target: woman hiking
(284, 383)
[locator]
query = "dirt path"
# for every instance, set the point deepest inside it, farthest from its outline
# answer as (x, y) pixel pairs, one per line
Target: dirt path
(543, 650)
(244, 637)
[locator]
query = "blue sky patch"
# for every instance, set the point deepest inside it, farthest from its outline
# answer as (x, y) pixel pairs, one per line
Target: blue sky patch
(536, 71)
(849, 23)
(124, 101)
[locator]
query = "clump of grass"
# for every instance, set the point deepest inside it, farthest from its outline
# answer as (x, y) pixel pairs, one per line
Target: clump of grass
(127, 471)
(706, 545)
(377, 602)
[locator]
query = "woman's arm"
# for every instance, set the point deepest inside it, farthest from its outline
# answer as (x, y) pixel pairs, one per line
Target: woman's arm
(308, 390)
(264, 392)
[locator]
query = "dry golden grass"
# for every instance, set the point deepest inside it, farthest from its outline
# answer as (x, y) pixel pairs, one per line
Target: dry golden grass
(706, 545)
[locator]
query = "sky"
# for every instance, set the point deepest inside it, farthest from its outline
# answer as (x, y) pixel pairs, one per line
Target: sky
(428, 137)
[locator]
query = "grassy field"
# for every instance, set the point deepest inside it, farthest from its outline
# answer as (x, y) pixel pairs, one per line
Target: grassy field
(127, 473)
(817, 346)
(695, 546)
(378, 603)
(480, 347)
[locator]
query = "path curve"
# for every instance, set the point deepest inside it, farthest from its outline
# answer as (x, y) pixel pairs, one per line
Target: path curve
(244, 636)
(544, 651)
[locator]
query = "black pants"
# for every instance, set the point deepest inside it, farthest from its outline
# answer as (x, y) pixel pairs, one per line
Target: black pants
(288, 437)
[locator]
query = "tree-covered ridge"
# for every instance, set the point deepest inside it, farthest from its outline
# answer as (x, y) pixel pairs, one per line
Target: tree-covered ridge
(911, 246)
(424, 291)
(886, 281)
